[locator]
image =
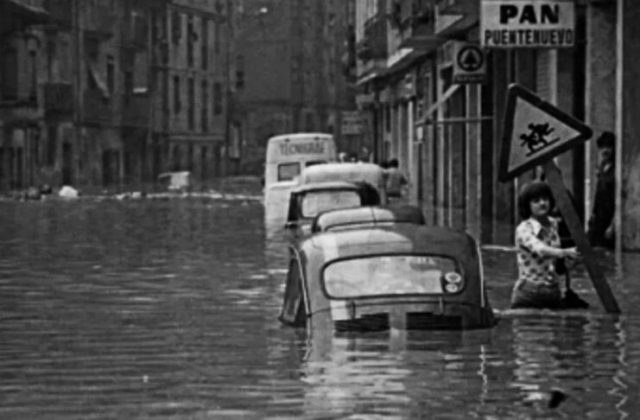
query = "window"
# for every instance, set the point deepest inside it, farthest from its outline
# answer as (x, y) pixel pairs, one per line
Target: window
(176, 27)
(216, 40)
(204, 44)
(52, 144)
(128, 84)
(288, 171)
(205, 107)
(190, 39)
(239, 72)
(111, 74)
(9, 74)
(177, 104)
(191, 112)
(314, 203)
(392, 275)
(33, 90)
(217, 98)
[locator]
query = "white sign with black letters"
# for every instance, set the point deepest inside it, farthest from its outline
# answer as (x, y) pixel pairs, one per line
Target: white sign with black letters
(527, 23)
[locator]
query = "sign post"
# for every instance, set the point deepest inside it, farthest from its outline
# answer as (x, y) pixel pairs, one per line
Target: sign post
(535, 132)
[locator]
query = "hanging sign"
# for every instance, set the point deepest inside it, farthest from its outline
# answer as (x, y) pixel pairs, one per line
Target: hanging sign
(527, 23)
(470, 64)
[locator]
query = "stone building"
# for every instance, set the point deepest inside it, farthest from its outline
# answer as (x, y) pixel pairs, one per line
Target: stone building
(291, 57)
(21, 107)
(192, 44)
(447, 135)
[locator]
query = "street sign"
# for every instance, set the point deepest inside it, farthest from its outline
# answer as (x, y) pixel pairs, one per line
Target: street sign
(527, 23)
(535, 131)
(351, 122)
(470, 64)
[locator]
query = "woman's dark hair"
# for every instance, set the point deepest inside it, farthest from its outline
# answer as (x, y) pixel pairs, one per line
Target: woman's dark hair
(606, 139)
(531, 191)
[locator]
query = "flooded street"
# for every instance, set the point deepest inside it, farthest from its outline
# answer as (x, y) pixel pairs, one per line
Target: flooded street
(156, 309)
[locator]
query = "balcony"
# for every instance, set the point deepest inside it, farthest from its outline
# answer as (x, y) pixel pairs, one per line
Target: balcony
(417, 27)
(96, 108)
(374, 44)
(60, 12)
(458, 7)
(58, 98)
(135, 112)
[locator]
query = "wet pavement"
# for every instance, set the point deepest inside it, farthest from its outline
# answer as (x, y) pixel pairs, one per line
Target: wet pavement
(167, 309)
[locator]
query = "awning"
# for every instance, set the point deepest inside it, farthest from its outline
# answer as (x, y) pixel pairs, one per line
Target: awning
(433, 108)
(95, 76)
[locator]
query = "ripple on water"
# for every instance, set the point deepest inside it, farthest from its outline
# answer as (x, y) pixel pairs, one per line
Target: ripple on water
(168, 310)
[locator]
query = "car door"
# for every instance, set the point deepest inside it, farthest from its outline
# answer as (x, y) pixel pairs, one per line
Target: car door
(293, 311)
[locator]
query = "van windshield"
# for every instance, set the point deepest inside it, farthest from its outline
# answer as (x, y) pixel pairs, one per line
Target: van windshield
(288, 171)
(391, 275)
(314, 203)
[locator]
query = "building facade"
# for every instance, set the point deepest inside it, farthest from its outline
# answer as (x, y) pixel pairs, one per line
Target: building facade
(21, 107)
(105, 94)
(192, 69)
(293, 72)
(447, 134)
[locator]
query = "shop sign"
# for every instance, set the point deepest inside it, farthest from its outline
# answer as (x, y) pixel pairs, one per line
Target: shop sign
(527, 23)
(351, 122)
(470, 64)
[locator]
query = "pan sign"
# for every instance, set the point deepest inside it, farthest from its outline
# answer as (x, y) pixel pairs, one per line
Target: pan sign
(527, 23)
(535, 131)
(470, 64)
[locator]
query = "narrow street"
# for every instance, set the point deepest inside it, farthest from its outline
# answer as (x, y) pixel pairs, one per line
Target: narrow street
(168, 310)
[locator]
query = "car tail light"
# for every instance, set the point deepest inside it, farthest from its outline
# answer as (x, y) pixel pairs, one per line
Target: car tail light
(452, 282)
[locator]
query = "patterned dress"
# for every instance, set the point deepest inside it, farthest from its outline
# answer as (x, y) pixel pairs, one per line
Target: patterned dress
(537, 285)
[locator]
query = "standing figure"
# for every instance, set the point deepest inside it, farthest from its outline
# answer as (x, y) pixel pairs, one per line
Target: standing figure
(395, 180)
(538, 246)
(601, 224)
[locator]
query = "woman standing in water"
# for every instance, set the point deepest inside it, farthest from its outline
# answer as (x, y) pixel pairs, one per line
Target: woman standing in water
(538, 245)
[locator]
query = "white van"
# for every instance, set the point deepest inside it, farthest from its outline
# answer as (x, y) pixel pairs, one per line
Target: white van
(287, 156)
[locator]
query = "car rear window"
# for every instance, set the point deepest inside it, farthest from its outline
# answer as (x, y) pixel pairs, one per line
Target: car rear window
(392, 275)
(314, 203)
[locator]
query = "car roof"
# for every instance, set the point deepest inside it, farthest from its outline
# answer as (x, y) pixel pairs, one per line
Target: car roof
(397, 238)
(320, 186)
(333, 170)
(370, 215)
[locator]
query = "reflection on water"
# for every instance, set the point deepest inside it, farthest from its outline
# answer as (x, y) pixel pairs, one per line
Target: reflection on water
(167, 310)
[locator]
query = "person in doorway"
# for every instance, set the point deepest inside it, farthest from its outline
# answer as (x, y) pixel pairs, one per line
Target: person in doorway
(395, 180)
(538, 246)
(601, 224)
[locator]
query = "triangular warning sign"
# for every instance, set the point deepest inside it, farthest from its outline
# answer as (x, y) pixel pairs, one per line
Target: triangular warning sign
(534, 132)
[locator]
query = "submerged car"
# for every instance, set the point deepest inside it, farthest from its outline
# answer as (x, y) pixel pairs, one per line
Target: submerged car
(309, 200)
(354, 218)
(399, 276)
(370, 173)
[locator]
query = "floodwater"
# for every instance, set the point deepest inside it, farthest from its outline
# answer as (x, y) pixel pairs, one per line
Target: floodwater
(149, 309)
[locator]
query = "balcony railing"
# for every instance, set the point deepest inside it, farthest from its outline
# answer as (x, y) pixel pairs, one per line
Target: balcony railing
(96, 108)
(418, 29)
(136, 111)
(58, 98)
(60, 12)
(374, 44)
(458, 7)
